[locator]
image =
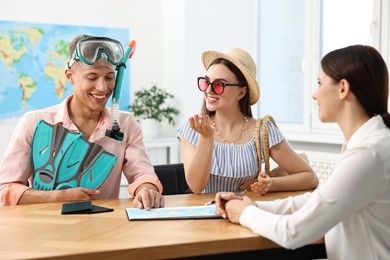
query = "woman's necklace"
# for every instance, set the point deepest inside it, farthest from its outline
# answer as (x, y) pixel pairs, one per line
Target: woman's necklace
(224, 140)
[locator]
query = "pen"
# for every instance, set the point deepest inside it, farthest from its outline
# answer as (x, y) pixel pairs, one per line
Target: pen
(209, 202)
(213, 201)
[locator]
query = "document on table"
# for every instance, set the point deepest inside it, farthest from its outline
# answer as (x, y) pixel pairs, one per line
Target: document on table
(187, 212)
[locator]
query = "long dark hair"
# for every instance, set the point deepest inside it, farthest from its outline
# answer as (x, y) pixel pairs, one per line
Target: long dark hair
(366, 71)
(245, 106)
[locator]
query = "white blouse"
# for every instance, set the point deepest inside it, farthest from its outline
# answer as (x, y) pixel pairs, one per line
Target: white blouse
(352, 208)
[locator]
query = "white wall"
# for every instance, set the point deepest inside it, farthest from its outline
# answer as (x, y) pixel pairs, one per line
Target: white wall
(171, 36)
(194, 26)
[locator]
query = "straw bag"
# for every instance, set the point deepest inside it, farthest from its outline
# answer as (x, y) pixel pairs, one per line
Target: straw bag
(277, 171)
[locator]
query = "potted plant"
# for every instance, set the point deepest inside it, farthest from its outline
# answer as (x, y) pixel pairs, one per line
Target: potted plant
(150, 107)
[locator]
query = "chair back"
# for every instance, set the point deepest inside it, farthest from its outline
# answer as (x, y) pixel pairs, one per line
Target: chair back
(172, 178)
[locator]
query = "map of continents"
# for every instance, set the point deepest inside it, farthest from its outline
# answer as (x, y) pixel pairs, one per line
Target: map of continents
(32, 62)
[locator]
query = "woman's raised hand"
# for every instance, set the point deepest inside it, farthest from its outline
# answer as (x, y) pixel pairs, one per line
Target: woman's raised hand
(202, 124)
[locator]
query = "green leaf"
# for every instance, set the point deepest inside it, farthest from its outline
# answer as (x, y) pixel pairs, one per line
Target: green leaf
(153, 103)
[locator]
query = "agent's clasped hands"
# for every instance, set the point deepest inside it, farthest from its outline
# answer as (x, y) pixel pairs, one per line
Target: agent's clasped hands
(230, 205)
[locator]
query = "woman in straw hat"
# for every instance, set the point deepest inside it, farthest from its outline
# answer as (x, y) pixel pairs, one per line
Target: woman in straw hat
(352, 207)
(218, 144)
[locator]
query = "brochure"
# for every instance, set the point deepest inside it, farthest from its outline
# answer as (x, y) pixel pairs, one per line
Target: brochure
(188, 212)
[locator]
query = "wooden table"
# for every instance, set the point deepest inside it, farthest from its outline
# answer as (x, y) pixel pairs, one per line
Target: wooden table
(40, 231)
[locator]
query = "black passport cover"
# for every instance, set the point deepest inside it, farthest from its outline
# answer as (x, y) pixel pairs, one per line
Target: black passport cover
(84, 207)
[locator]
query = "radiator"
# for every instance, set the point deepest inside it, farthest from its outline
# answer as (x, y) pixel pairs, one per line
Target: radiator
(322, 163)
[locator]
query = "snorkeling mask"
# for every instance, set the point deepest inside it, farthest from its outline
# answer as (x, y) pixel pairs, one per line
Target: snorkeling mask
(90, 50)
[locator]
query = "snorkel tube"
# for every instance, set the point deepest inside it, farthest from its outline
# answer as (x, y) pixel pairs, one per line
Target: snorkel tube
(115, 132)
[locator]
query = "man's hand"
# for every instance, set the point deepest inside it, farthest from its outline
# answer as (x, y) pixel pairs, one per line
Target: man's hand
(147, 197)
(32, 196)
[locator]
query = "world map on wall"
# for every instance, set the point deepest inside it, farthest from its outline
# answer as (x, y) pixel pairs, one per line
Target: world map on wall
(32, 61)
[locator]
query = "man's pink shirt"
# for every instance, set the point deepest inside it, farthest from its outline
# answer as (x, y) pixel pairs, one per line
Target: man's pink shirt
(15, 167)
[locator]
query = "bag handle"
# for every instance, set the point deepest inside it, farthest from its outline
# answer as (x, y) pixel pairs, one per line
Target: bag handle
(257, 143)
(263, 123)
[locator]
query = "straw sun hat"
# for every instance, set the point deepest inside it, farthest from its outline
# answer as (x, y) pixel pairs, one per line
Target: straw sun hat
(244, 62)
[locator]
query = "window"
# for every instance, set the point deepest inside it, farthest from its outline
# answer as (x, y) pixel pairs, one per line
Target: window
(293, 37)
(281, 51)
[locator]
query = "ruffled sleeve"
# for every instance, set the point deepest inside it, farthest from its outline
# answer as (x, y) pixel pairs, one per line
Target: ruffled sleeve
(185, 131)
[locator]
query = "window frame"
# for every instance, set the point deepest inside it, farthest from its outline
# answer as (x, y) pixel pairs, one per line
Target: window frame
(312, 130)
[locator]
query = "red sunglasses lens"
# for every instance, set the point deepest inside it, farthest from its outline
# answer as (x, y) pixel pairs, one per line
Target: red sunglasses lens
(218, 87)
(203, 84)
